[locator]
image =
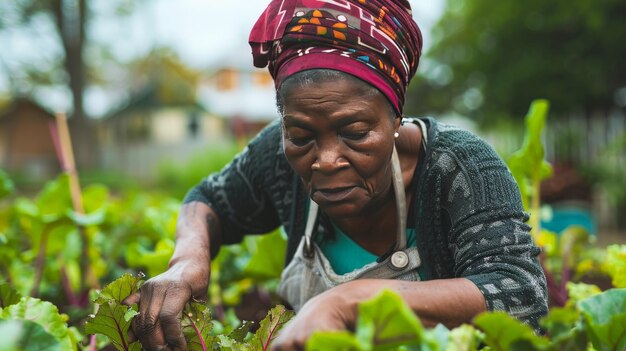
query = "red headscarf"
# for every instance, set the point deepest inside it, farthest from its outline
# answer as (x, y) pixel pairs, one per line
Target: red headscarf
(375, 40)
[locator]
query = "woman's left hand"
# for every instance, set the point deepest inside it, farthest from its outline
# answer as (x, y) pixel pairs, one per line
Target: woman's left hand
(330, 310)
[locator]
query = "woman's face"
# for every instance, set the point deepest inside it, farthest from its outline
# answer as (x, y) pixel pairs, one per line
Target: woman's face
(338, 136)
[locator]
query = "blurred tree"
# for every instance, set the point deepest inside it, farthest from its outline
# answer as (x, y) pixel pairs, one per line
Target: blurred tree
(70, 18)
(174, 81)
(491, 58)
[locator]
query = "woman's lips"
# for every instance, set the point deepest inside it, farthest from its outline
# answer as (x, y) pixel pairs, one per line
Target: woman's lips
(334, 194)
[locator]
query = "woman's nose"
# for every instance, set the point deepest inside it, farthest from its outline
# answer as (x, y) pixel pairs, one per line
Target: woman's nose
(329, 159)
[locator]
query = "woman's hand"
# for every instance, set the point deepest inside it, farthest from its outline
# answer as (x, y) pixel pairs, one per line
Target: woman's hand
(161, 301)
(331, 310)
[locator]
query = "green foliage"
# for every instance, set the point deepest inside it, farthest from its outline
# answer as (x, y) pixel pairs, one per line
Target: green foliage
(267, 257)
(503, 332)
(8, 295)
(616, 264)
(386, 321)
(47, 317)
(489, 59)
(6, 185)
(527, 164)
(24, 335)
(176, 180)
(113, 318)
(605, 318)
(269, 328)
(113, 321)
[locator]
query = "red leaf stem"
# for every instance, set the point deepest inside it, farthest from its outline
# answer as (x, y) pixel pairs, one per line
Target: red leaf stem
(195, 328)
(272, 331)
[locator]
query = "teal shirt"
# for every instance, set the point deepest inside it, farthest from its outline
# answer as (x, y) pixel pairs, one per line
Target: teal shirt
(345, 255)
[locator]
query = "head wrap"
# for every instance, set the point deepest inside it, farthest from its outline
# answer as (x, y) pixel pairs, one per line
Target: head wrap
(375, 40)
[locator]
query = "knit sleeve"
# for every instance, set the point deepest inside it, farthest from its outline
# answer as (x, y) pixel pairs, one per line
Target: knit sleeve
(489, 239)
(239, 192)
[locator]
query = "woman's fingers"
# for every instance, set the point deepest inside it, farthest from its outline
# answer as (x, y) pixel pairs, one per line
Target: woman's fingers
(170, 317)
(147, 326)
(129, 301)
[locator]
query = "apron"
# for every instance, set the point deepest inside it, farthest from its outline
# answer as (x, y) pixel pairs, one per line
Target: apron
(309, 273)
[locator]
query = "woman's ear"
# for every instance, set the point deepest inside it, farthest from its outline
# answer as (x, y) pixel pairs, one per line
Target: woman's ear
(397, 122)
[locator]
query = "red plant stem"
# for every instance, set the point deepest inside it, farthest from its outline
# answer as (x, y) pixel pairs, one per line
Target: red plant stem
(92, 343)
(272, 331)
(39, 263)
(195, 328)
(67, 288)
(63, 144)
(57, 144)
(122, 336)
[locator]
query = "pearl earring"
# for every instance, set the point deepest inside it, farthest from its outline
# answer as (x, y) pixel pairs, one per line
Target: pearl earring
(396, 135)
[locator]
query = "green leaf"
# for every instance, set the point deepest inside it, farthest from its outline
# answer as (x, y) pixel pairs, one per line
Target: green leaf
(560, 321)
(226, 343)
(386, 321)
(574, 240)
(527, 164)
(95, 198)
(565, 332)
(110, 321)
(580, 291)
(24, 335)
(616, 264)
(241, 332)
(47, 316)
(464, 338)
(503, 332)
(196, 325)
(113, 318)
(8, 295)
(55, 200)
(120, 289)
(605, 317)
(269, 327)
(94, 218)
(333, 341)
(6, 185)
(268, 259)
(155, 262)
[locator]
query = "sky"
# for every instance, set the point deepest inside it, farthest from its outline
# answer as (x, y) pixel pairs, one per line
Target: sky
(203, 32)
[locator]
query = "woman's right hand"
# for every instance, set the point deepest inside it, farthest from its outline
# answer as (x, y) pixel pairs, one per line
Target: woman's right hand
(161, 301)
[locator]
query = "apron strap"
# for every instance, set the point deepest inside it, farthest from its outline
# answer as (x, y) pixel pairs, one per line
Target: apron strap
(310, 225)
(398, 188)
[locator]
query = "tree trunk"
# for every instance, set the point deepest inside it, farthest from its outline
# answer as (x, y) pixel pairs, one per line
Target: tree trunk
(71, 18)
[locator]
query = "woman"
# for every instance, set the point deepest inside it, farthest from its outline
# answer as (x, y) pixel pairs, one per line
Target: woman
(369, 199)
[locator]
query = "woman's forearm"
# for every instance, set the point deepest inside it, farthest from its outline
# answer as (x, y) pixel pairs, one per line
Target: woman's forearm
(198, 233)
(447, 301)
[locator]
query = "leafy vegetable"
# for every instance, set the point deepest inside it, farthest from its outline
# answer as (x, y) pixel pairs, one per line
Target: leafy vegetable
(8, 295)
(386, 321)
(6, 185)
(24, 335)
(269, 327)
(616, 264)
(527, 164)
(113, 318)
(605, 317)
(196, 325)
(47, 316)
(268, 258)
(503, 332)
(333, 341)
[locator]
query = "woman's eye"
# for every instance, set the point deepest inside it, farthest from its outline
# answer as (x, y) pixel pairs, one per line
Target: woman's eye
(300, 141)
(354, 135)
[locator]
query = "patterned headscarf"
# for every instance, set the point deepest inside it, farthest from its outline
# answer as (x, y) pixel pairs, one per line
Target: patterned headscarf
(375, 40)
